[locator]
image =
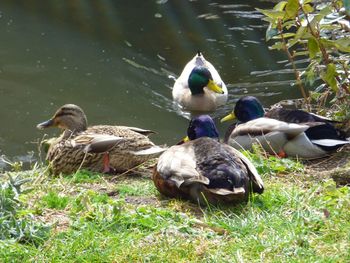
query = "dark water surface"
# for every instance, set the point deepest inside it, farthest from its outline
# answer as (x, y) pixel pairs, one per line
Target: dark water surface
(114, 58)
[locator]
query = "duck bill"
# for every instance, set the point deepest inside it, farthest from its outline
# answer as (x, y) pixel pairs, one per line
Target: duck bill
(45, 124)
(229, 117)
(214, 87)
(184, 140)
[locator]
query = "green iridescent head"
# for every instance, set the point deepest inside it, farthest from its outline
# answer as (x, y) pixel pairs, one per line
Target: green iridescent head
(201, 77)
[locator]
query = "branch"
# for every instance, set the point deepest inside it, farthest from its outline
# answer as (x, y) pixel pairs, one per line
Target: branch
(291, 60)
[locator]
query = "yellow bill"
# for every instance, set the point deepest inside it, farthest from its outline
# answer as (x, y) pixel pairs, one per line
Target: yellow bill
(214, 87)
(184, 140)
(229, 117)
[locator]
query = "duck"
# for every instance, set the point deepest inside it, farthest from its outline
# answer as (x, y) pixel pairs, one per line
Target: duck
(199, 87)
(99, 148)
(283, 132)
(297, 116)
(203, 170)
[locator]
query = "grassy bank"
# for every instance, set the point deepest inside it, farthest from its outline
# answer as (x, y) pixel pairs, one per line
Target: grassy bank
(96, 218)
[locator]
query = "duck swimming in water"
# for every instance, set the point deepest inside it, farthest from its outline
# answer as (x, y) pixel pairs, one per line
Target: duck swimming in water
(199, 87)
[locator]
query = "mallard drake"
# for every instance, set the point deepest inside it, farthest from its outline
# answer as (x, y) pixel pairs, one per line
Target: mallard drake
(199, 87)
(300, 134)
(101, 148)
(296, 116)
(204, 170)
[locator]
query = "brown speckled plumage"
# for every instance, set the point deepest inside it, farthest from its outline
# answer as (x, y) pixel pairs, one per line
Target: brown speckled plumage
(68, 153)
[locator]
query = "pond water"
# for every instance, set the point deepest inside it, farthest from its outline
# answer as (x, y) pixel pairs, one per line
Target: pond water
(114, 59)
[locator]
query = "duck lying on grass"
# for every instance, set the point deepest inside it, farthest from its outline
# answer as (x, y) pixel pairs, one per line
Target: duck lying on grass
(101, 148)
(199, 87)
(297, 133)
(205, 170)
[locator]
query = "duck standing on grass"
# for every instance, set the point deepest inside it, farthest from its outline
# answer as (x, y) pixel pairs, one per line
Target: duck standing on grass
(298, 133)
(204, 170)
(199, 87)
(101, 148)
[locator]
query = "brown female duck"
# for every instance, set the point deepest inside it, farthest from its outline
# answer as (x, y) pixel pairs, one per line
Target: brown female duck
(100, 148)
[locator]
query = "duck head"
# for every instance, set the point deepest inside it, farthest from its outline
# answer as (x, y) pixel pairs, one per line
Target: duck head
(69, 117)
(202, 126)
(246, 109)
(201, 77)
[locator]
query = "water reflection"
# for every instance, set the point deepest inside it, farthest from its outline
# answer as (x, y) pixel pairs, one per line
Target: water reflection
(114, 59)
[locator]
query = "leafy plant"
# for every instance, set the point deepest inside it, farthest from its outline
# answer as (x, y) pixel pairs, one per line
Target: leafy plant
(272, 165)
(143, 188)
(318, 30)
(84, 176)
(15, 223)
(55, 201)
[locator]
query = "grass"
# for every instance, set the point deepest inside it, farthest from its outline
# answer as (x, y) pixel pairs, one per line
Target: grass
(96, 218)
(54, 201)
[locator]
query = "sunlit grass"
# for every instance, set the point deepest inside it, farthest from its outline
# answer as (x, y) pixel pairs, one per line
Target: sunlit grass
(84, 177)
(144, 187)
(272, 165)
(290, 222)
(54, 201)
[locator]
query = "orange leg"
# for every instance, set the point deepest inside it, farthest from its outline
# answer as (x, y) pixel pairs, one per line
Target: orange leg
(107, 169)
(282, 154)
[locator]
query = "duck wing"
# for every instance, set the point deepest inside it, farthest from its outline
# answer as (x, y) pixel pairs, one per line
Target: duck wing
(324, 131)
(97, 143)
(296, 116)
(266, 125)
(122, 131)
(258, 184)
(178, 164)
(153, 150)
(139, 130)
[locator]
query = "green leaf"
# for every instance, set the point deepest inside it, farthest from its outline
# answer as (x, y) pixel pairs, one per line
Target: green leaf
(288, 25)
(292, 8)
(325, 11)
(271, 31)
(285, 35)
(328, 43)
(292, 42)
(315, 20)
(300, 33)
(271, 13)
(310, 77)
(343, 44)
(313, 47)
(330, 75)
(308, 8)
(310, 72)
(301, 53)
(277, 45)
(315, 95)
(280, 6)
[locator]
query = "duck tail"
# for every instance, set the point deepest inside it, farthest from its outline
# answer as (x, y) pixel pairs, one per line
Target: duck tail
(330, 142)
(155, 150)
